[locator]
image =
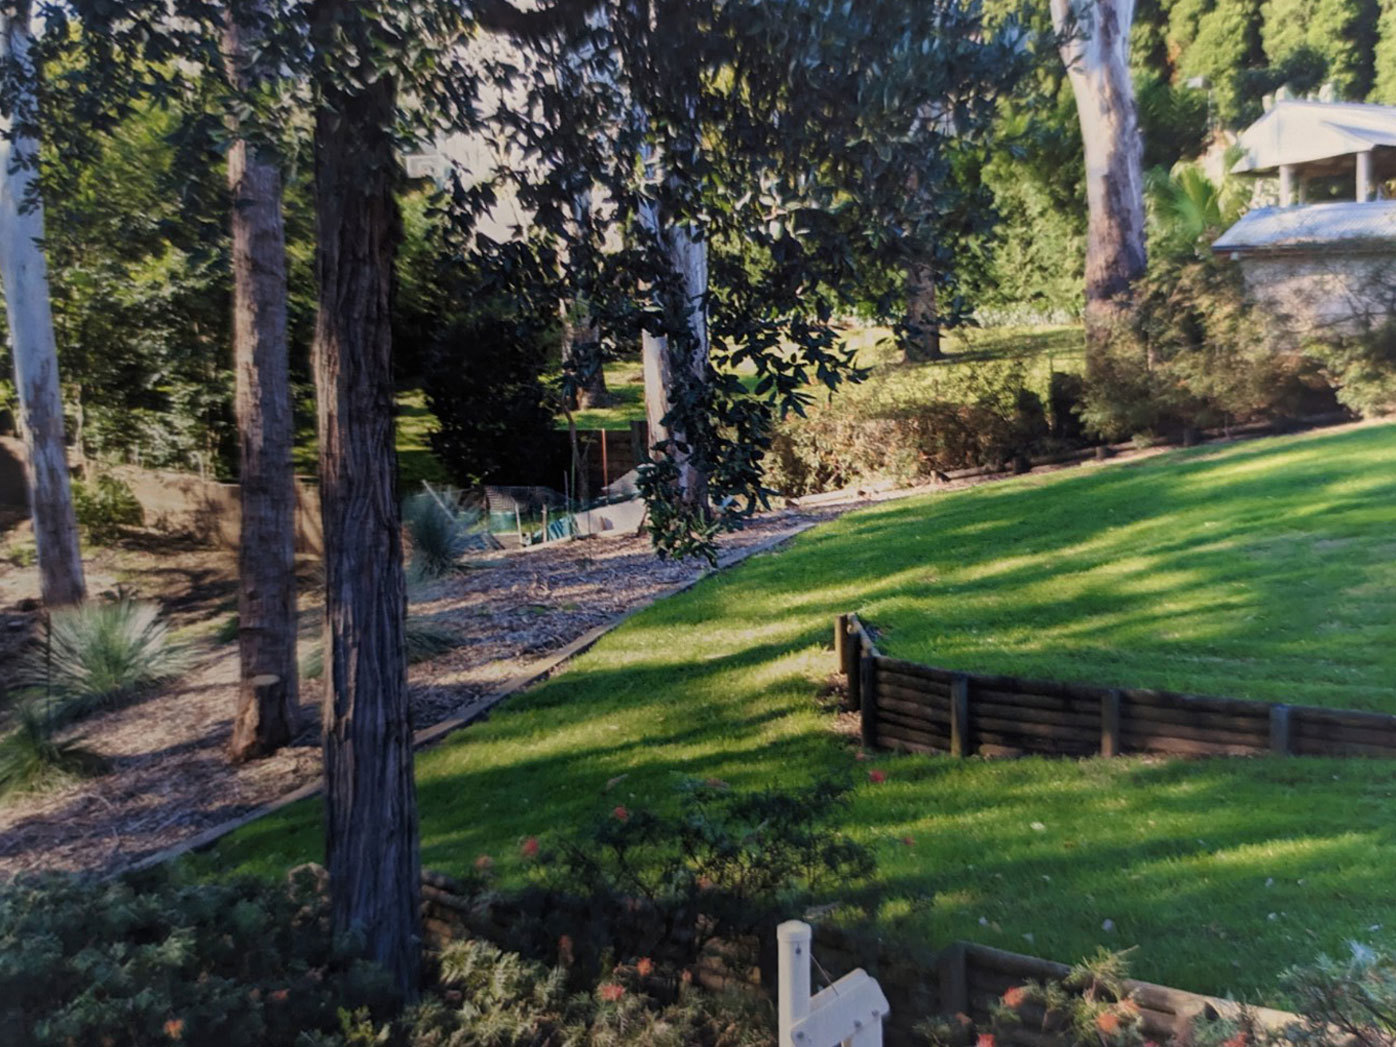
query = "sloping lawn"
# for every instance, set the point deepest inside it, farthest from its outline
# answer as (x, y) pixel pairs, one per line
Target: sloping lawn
(1262, 570)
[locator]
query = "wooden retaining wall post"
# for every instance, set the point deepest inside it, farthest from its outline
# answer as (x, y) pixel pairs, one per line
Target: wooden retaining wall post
(841, 643)
(852, 663)
(953, 966)
(867, 693)
(959, 716)
(1279, 730)
(1110, 724)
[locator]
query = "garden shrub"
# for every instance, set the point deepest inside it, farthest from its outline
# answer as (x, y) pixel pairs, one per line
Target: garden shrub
(490, 998)
(150, 961)
(104, 507)
(989, 417)
(1195, 355)
(1363, 368)
(1349, 1001)
(1090, 1007)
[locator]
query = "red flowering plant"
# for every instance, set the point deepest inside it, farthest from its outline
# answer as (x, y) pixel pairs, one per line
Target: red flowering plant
(1091, 1006)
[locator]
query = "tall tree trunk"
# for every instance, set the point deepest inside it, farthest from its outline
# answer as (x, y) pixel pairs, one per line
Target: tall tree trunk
(1095, 48)
(370, 796)
(922, 317)
(688, 260)
(30, 316)
(591, 388)
(267, 694)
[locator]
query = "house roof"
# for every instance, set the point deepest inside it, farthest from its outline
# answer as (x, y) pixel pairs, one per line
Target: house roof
(1314, 226)
(1302, 132)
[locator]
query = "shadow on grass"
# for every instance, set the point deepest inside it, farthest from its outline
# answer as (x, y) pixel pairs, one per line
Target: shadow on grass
(1209, 567)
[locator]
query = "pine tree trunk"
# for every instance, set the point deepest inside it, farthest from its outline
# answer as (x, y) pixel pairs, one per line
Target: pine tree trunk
(30, 316)
(688, 259)
(922, 317)
(370, 796)
(268, 690)
(1095, 48)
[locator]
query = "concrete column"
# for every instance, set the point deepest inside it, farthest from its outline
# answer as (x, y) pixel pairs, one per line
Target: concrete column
(1364, 176)
(1286, 185)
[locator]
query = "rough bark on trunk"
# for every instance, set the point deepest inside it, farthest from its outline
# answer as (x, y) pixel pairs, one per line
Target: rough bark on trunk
(688, 259)
(1095, 48)
(591, 390)
(922, 317)
(370, 796)
(29, 313)
(267, 694)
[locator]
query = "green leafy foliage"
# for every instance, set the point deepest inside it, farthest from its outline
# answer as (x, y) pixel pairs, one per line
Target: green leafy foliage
(151, 960)
(490, 998)
(102, 652)
(988, 416)
(1348, 1000)
(1361, 363)
(1195, 355)
(31, 757)
(1187, 210)
(105, 506)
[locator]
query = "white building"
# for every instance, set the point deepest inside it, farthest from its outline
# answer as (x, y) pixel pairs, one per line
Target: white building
(1324, 257)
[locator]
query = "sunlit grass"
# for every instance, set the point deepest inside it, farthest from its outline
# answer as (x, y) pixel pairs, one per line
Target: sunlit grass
(1040, 349)
(1262, 570)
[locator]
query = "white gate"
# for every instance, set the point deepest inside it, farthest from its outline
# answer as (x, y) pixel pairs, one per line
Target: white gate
(848, 1013)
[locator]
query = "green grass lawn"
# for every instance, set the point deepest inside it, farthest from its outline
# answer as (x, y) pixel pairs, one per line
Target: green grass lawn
(1263, 570)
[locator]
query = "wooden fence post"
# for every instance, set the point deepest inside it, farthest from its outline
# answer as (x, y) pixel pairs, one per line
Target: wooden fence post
(954, 979)
(1279, 730)
(852, 664)
(959, 716)
(867, 691)
(1110, 724)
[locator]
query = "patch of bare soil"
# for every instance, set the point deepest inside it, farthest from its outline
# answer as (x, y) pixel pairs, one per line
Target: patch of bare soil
(169, 779)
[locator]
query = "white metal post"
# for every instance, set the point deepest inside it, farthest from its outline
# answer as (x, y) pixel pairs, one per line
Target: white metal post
(792, 990)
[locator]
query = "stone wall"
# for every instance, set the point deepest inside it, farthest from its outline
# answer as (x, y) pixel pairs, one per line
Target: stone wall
(1311, 293)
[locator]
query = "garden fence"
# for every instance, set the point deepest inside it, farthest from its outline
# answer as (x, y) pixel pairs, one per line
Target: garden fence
(918, 708)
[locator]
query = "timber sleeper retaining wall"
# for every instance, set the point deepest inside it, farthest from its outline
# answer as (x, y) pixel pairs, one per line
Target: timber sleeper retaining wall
(910, 707)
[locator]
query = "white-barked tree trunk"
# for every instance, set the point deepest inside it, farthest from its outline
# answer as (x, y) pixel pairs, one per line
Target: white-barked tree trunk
(30, 316)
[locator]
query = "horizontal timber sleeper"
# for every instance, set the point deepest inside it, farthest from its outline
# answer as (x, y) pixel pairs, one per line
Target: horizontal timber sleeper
(1030, 714)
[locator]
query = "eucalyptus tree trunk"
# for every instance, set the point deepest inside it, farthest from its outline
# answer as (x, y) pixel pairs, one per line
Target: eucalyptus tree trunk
(922, 317)
(1095, 48)
(579, 328)
(688, 262)
(29, 313)
(370, 796)
(267, 693)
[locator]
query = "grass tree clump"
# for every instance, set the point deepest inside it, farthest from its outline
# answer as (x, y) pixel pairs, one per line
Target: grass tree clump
(439, 529)
(31, 757)
(100, 652)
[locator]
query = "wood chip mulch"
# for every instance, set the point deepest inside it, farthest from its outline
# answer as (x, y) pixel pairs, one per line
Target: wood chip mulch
(169, 779)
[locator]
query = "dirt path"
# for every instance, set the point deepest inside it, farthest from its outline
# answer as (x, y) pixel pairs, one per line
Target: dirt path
(169, 779)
